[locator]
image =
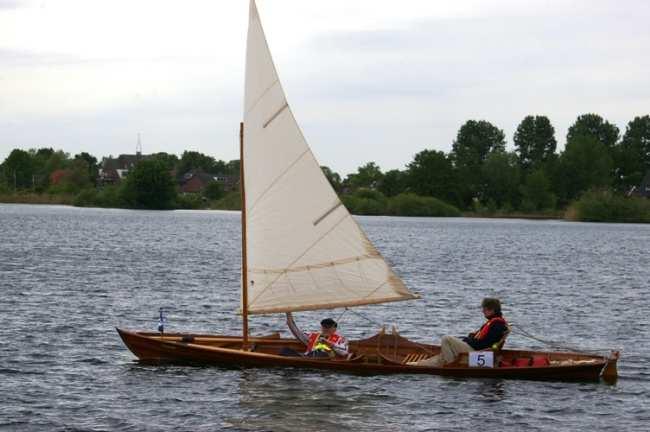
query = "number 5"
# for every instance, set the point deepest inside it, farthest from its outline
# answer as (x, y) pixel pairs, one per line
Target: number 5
(480, 360)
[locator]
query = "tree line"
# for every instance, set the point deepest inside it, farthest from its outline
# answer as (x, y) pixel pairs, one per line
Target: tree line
(479, 173)
(33, 169)
(152, 183)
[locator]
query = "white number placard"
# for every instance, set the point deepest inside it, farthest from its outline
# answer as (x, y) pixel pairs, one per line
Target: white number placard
(481, 359)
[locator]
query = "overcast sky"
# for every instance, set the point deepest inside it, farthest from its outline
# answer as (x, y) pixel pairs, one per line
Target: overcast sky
(367, 79)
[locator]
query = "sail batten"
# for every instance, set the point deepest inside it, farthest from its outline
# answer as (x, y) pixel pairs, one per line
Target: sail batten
(304, 250)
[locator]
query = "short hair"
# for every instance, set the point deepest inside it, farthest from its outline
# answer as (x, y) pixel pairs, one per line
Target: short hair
(492, 304)
(328, 323)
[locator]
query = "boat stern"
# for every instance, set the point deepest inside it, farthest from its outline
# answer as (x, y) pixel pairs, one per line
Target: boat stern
(610, 371)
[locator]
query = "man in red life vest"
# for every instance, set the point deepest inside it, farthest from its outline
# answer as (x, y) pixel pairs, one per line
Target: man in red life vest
(489, 336)
(326, 343)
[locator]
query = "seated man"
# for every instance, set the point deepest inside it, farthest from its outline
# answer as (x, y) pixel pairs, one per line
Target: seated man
(488, 336)
(326, 343)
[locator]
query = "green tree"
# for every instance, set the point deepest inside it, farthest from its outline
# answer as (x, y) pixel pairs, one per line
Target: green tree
(91, 162)
(365, 202)
(633, 153)
(534, 141)
(392, 183)
(149, 185)
(80, 174)
(474, 142)
(232, 168)
(169, 160)
(367, 176)
(213, 191)
(40, 163)
(431, 173)
(536, 192)
(593, 125)
(40, 158)
(193, 160)
(501, 174)
(409, 204)
(58, 160)
(333, 177)
(18, 169)
(584, 164)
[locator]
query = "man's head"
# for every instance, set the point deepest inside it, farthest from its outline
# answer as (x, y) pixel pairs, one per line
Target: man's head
(491, 307)
(328, 326)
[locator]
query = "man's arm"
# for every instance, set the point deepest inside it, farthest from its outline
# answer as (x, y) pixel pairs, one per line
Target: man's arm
(297, 333)
(495, 334)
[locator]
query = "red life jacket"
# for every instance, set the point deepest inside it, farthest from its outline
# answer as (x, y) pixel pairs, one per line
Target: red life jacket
(314, 345)
(485, 328)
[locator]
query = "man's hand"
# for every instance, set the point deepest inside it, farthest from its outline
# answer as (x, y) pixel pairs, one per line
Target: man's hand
(325, 341)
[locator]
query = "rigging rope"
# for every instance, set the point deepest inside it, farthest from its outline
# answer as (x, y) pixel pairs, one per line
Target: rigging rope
(361, 315)
(554, 344)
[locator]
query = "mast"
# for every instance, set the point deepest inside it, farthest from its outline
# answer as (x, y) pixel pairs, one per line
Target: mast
(244, 264)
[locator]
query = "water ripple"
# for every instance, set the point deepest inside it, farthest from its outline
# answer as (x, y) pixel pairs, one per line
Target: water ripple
(69, 276)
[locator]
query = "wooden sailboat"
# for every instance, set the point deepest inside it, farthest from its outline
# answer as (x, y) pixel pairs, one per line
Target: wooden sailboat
(302, 250)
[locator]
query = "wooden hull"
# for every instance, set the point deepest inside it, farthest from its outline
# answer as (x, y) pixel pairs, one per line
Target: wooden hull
(380, 354)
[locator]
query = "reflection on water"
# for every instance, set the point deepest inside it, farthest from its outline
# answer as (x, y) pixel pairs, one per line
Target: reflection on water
(68, 276)
(493, 390)
(289, 399)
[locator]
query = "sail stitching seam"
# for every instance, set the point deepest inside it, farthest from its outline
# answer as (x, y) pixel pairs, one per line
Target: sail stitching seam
(317, 266)
(277, 179)
(300, 256)
(376, 289)
(277, 80)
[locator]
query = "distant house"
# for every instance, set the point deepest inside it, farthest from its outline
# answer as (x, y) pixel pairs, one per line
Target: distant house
(642, 190)
(228, 183)
(195, 181)
(115, 169)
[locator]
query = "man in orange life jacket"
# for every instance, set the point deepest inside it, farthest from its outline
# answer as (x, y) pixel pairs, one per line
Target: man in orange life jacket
(326, 343)
(489, 336)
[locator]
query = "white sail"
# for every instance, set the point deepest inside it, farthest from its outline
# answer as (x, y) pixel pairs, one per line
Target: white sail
(305, 251)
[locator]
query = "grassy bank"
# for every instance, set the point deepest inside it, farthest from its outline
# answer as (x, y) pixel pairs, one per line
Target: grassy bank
(34, 198)
(605, 206)
(594, 206)
(374, 203)
(542, 215)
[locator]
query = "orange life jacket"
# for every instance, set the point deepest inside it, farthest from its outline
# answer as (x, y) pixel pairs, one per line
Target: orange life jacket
(314, 345)
(485, 328)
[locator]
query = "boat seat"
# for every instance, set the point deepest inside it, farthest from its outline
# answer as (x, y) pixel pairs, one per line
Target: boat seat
(415, 357)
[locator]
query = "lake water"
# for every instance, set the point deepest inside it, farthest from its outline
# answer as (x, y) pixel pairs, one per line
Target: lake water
(68, 276)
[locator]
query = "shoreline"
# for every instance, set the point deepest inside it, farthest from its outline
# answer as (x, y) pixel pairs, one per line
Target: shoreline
(68, 200)
(34, 198)
(559, 215)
